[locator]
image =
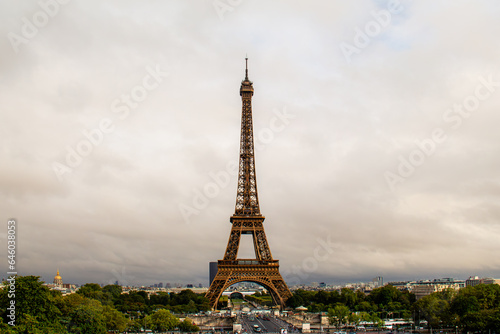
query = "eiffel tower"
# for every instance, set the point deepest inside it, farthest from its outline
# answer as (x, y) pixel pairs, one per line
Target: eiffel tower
(247, 219)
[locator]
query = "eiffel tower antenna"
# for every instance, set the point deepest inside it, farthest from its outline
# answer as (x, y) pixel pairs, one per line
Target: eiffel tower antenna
(247, 219)
(246, 67)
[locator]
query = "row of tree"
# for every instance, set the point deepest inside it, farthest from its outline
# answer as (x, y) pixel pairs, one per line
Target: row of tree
(385, 301)
(263, 299)
(469, 309)
(185, 301)
(97, 310)
(472, 309)
(93, 309)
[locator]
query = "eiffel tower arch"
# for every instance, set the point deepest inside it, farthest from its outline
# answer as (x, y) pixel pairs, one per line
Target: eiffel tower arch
(247, 219)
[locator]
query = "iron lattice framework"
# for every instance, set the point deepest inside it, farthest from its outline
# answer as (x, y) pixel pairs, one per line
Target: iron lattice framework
(247, 219)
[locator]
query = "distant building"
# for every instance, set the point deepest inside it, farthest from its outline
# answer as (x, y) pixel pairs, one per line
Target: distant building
(378, 281)
(401, 285)
(58, 279)
(69, 286)
(212, 271)
(489, 280)
(425, 288)
(58, 285)
(475, 280)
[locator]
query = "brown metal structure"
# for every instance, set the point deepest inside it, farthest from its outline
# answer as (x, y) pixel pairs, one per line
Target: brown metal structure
(247, 219)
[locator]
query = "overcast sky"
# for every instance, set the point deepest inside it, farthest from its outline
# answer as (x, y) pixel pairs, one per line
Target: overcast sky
(376, 125)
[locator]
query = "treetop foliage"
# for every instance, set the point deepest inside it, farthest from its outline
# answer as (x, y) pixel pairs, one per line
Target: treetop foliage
(95, 309)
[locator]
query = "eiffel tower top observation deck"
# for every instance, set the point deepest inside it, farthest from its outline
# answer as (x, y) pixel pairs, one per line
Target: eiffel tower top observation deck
(247, 199)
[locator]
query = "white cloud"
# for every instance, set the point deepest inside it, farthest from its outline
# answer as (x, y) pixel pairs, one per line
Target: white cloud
(117, 213)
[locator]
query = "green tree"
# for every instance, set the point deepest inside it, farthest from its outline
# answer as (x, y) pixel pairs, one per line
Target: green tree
(88, 318)
(354, 319)
(89, 290)
(348, 297)
(435, 308)
(338, 315)
(478, 308)
(136, 325)
(34, 302)
(465, 303)
(482, 321)
(295, 301)
(112, 292)
(30, 324)
(364, 316)
(377, 322)
(160, 298)
(68, 303)
(94, 291)
(321, 297)
(6, 329)
(114, 320)
(364, 306)
(317, 307)
(134, 301)
(384, 295)
(161, 320)
(187, 326)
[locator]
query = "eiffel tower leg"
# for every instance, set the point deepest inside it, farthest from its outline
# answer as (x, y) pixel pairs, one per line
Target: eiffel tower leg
(264, 275)
(233, 244)
(215, 291)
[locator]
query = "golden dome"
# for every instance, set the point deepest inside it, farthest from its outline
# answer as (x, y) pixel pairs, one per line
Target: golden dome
(57, 276)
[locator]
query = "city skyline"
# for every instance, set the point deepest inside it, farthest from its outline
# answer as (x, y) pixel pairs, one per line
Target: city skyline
(377, 152)
(369, 283)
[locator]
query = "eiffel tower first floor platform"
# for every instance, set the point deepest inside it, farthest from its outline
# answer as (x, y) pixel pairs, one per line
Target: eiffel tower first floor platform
(264, 272)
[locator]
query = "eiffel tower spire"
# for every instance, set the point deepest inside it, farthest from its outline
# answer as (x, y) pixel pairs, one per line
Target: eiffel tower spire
(246, 68)
(262, 269)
